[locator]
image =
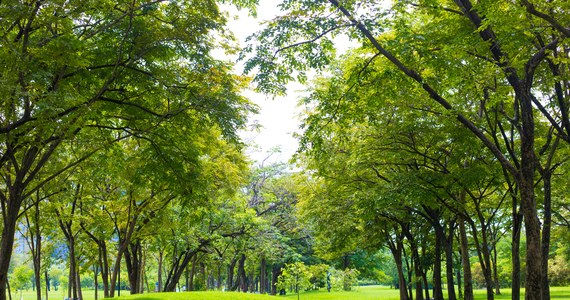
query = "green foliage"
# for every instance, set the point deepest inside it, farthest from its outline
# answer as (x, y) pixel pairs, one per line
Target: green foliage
(318, 276)
(559, 268)
(344, 280)
(21, 278)
(295, 276)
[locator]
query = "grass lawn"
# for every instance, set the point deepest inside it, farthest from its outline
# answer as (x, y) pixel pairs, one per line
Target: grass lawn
(359, 293)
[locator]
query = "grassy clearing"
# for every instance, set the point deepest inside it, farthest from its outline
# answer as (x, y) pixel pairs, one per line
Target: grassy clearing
(360, 293)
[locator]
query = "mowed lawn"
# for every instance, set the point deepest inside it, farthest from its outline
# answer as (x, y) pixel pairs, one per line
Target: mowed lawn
(359, 293)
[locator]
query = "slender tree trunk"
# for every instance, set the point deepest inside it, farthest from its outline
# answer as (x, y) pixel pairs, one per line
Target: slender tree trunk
(178, 268)
(231, 268)
(467, 278)
(515, 255)
(70, 282)
(459, 289)
(133, 263)
(495, 271)
(275, 272)
(533, 287)
(7, 242)
(418, 273)
(396, 249)
(142, 274)
(160, 257)
(262, 274)
(449, 261)
(96, 282)
(192, 272)
(242, 277)
(439, 242)
(78, 283)
(426, 285)
(219, 280)
(46, 275)
(104, 266)
(547, 222)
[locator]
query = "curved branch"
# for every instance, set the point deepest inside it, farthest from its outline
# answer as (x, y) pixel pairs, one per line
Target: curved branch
(432, 93)
(532, 10)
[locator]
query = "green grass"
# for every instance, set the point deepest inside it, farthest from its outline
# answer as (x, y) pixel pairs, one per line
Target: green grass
(359, 293)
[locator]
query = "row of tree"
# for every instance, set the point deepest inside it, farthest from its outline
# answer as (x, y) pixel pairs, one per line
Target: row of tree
(443, 136)
(446, 129)
(112, 113)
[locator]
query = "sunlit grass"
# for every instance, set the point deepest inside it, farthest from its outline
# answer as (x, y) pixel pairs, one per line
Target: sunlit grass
(359, 293)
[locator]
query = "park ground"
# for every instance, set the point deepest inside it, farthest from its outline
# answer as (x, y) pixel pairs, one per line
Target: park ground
(359, 293)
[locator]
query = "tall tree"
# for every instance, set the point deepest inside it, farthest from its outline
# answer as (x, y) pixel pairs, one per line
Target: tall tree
(99, 72)
(436, 46)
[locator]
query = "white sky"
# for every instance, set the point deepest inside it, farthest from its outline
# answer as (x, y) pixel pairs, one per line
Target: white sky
(278, 116)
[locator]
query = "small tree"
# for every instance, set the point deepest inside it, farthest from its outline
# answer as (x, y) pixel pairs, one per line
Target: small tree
(21, 278)
(294, 275)
(344, 280)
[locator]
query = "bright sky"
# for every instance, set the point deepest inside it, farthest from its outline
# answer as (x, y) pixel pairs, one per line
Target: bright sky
(278, 116)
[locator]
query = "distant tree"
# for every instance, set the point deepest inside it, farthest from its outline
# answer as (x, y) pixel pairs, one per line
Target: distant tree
(295, 276)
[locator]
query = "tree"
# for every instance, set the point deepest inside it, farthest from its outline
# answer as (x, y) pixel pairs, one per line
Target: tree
(99, 73)
(295, 276)
(435, 46)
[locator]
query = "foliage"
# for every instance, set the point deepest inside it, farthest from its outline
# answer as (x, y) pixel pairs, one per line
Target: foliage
(295, 277)
(344, 280)
(559, 270)
(21, 278)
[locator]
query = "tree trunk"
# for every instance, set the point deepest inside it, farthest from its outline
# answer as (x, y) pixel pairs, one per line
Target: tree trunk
(7, 242)
(133, 262)
(515, 253)
(104, 266)
(263, 275)
(449, 261)
(425, 282)
(47, 284)
(35, 245)
(418, 272)
(231, 268)
(160, 257)
(242, 277)
(78, 283)
(495, 271)
(547, 220)
(459, 289)
(178, 269)
(275, 272)
(533, 287)
(439, 242)
(396, 247)
(467, 278)
(192, 273)
(219, 280)
(96, 282)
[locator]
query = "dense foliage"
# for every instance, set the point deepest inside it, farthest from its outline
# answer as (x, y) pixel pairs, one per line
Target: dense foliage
(434, 153)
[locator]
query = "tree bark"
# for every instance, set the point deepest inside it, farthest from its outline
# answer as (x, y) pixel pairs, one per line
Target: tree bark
(47, 284)
(231, 268)
(275, 272)
(396, 247)
(449, 261)
(160, 257)
(439, 242)
(177, 269)
(467, 278)
(263, 275)
(547, 222)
